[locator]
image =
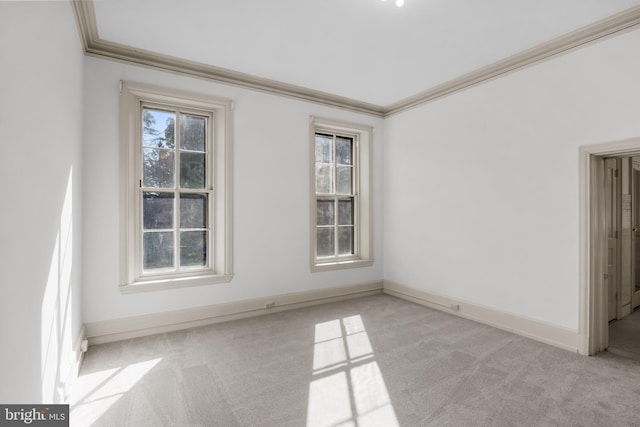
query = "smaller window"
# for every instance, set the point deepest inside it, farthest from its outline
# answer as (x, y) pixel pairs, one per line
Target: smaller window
(341, 186)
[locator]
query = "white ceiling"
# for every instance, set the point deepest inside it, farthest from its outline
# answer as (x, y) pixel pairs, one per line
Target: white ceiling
(366, 50)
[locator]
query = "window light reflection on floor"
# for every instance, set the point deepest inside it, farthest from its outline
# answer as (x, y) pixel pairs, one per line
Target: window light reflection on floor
(96, 392)
(348, 388)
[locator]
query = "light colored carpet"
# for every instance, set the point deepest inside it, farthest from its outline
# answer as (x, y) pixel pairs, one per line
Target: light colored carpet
(624, 337)
(373, 361)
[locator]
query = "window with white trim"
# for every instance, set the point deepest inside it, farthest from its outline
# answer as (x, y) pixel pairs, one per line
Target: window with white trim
(176, 192)
(341, 185)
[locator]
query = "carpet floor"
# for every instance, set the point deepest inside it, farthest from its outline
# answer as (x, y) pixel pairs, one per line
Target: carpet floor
(372, 361)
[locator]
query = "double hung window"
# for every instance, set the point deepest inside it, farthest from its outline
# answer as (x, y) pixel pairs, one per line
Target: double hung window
(335, 196)
(175, 190)
(341, 201)
(175, 161)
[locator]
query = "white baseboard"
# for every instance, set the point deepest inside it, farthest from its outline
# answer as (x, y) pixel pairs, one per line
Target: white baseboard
(558, 336)
(77, 348)
(75, 358)
(150, 324)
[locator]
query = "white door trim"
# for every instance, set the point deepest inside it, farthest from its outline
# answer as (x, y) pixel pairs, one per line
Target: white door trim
(593, 324)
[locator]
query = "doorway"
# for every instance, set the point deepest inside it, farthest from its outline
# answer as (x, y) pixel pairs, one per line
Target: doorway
(622, 229)
(622, 232)
(609, 239)
(635, 180)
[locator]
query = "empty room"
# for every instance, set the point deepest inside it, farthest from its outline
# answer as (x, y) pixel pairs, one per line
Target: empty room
(320, 213)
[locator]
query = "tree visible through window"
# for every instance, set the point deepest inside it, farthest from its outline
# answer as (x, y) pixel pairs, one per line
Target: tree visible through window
(174, 190)
(335, 193)
(341, 186)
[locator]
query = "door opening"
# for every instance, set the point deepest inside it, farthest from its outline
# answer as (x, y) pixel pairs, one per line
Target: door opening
(609, 238)
(622, 221)
(635, 232)
(611, 210)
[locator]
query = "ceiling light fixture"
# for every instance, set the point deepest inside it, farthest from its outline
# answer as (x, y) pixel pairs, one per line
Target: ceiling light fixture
(399, 3)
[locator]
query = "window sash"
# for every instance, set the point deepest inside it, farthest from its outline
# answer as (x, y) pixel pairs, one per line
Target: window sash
(335, 197)
(177, 268)
(336, 226)
(176, 229)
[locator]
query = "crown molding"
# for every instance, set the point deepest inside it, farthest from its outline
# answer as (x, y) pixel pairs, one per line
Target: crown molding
(623, 21)
(94, 46)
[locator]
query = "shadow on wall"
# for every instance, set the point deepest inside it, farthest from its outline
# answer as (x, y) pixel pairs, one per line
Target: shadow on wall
(58, 358)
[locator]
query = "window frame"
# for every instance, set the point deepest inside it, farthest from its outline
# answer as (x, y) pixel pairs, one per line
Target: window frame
(362, 190)
(134, 98)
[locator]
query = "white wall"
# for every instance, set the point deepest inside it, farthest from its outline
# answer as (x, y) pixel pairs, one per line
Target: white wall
(480, 190)
(481, 187)
(40, 236)
(271, 200)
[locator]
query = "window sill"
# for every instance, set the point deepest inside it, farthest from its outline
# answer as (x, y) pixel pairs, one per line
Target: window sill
(182, 282)
(339, 265)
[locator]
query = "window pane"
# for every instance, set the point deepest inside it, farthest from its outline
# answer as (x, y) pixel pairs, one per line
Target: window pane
(345, 240)
(158, 250)
(325, 212)
(324, 148)
(158, 166)
(193, 248)
(324, 179)
(345, 212)
(157, 210)
(325, 241)
(344, 151)
(344, 180)
(158, 128)
(193, 211)
(192, 170)
(192, 132)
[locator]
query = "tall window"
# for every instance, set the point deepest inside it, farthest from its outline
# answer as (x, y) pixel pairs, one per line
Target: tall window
(176, 223)
(175, 190)
(335, 195)
(341, 204)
